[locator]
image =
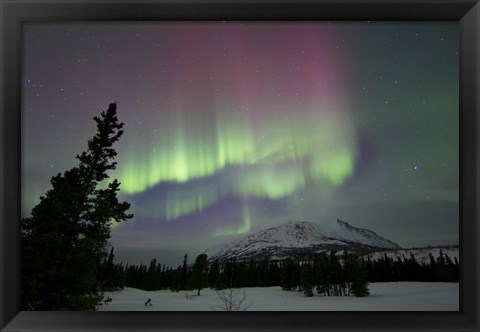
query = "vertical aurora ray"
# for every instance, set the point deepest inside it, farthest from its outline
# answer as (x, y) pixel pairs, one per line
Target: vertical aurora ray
(244, 227)
(232, 119)
(237, 126)
(264, 134)
(235, 140)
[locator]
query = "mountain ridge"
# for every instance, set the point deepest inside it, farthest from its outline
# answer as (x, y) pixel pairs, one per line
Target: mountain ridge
(302, 239)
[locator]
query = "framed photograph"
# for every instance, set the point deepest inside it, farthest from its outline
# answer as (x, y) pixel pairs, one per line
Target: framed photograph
(312, 165)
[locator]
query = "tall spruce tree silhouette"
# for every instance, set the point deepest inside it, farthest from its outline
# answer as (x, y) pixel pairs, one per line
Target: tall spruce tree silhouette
(199, 273)
(66, 239)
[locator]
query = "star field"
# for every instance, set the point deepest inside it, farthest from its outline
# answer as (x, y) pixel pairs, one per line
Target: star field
(232, 127)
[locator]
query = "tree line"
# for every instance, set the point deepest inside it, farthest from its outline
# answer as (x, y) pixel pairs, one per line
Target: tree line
(328, 274)
(441, 268)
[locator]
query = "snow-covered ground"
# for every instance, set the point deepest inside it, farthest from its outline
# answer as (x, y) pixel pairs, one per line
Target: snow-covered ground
(387, 296)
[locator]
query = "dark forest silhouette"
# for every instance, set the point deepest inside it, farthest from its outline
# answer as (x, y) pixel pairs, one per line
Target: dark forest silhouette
(329, 274)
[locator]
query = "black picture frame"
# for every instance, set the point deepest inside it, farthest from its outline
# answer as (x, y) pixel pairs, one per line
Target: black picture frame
(14, 12)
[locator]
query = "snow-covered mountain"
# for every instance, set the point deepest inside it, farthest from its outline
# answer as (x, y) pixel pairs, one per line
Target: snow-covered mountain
(301, 239)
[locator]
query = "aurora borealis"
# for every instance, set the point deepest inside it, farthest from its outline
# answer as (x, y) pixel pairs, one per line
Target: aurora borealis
(232, 127)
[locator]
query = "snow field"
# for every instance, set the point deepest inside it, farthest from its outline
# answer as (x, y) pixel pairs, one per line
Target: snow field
(385, 296)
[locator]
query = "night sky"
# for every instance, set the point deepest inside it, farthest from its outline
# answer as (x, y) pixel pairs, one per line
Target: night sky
(232, 127)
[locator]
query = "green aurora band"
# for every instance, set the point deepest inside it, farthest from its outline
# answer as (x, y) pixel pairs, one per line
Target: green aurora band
(273, 159)
(235, 126)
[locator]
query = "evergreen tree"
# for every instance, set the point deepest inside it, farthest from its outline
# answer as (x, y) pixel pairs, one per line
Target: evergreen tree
(350, 269)
(359, 280)
(286, 274)
(451, 277)
(177, 279)
(229, 274)
(112, 274)
(214, 276)
(335, 274)
(262, 273)
(241, 279)
(432, 268)
(399, 270)
(274, 274)
(65, 241)
(371, 272)
(152, 277)
(456, 270)
(412, 269)
(442, 270)
(306, 279)
(322, 276)
(199, 275)
(251, 273)
(386, 267)
(184, 274)
(167, 277)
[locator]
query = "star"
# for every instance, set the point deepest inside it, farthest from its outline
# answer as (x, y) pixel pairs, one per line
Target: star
(282, 122)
